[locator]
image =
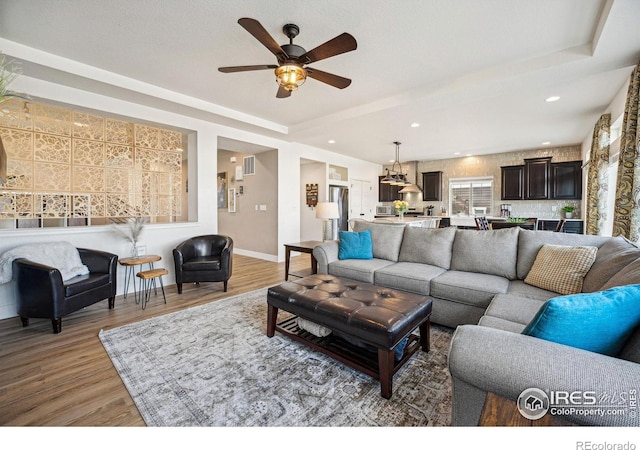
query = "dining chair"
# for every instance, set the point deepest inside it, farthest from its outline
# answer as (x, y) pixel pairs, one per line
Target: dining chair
(482, 223)
(560, 226)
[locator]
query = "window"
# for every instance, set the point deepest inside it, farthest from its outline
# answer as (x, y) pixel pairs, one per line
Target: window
(471, 196)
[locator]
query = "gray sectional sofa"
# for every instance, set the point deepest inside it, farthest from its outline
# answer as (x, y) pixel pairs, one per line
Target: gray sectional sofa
(476, 282)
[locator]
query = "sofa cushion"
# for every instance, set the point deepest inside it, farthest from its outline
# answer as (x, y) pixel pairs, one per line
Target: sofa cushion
(428, 246)
(628, 275)
(501, 324)
(490, 252)
(600, 322)
(561, 268)
(470, 288)
(522, 289)
(84, 283)
(386, 239)
(407, 276)
(514, 308)
(612, 257)
(530, 242)
(355, 245)
(357, 269)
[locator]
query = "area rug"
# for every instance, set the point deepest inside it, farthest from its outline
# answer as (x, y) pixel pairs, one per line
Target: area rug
(213, 365)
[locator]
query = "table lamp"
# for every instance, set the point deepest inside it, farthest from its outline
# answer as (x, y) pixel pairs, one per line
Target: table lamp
(327, 211)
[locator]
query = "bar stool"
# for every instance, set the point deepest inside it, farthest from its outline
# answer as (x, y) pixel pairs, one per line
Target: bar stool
(147, 278)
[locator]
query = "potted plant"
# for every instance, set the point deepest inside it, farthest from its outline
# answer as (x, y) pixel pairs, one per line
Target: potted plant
(568, 211)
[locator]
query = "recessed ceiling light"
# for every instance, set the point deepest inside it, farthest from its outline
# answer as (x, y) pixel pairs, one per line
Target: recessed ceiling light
(331, 141)
(546, 143)
(553, 98)
(456, 153)
(415, 125)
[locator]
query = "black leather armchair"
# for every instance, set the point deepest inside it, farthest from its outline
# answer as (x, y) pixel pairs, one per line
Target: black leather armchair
(41, 293)
(203, 258)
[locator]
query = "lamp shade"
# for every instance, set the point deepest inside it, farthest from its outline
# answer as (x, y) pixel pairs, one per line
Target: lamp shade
(327, 210)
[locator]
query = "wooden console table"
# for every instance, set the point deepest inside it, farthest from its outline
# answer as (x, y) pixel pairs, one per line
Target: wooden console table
(302, 247)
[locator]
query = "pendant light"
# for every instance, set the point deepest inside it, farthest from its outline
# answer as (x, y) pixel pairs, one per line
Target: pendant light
(396, 176)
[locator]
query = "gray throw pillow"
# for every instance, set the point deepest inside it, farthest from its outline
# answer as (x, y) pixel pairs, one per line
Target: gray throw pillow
(628, 275)
(428, 246)
(611, 258)
(386, 239)
(493, 252)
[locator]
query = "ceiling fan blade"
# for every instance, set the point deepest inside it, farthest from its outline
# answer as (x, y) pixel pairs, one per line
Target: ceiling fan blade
(329, 78)
(245, 68)
(336, 46)
(257, 31)
(283, 93)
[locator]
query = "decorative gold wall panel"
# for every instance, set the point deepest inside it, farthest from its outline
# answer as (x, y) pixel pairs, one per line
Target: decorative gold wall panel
(13, 115)
(51, 120)
(88, 153)
(64, 164)
(52, 148)
(18, 144)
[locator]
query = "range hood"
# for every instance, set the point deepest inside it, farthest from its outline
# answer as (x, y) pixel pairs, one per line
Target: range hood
(413, 187)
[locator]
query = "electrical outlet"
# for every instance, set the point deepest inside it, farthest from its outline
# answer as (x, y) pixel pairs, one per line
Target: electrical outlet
(554, 208)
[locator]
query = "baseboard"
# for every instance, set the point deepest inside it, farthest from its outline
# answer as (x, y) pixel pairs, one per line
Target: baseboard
(265, 256)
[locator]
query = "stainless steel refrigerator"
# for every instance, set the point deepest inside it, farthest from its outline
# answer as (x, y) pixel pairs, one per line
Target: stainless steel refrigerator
(340, 195)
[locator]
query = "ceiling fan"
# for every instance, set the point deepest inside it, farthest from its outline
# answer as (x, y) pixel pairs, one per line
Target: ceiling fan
(291, 72)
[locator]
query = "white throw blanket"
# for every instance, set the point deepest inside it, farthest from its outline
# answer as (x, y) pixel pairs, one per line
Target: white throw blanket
(61, 255)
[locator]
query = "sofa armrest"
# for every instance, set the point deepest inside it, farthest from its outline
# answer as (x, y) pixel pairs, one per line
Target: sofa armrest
(324, 254)
(483, 359)
(39, 289)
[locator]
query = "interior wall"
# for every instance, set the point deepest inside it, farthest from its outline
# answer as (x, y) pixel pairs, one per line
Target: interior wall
(311, 173)
(252, 228)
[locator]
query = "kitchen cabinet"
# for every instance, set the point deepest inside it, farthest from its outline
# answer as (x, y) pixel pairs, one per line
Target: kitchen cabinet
(512, 182)
(388, 192)
(537, 178)
(566, 180)
(431, 186)
(570, 226)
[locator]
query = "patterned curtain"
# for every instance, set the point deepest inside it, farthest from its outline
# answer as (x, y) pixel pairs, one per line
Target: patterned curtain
(597, 183)
(626, 216)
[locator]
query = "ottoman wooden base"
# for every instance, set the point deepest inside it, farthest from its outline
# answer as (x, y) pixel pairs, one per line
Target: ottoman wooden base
(332, 307)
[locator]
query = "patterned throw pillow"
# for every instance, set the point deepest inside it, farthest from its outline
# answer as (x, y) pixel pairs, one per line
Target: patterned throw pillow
(561, 268)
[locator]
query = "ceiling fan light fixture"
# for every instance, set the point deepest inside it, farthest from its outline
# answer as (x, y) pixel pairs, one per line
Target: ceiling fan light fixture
(290, 76)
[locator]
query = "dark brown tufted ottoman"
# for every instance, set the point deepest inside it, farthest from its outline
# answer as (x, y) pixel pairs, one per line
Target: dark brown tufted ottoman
(367, 322)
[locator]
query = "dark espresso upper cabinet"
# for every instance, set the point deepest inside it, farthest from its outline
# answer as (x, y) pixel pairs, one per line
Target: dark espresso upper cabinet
(388, 192)
(512, 182)
(566, 180)
(537, 173)
(432, 186)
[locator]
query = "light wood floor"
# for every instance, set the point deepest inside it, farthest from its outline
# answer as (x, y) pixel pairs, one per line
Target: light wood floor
(68, 379)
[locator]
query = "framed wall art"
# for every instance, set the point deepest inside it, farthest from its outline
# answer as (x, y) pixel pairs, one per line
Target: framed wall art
(232, 200)
(223, 182)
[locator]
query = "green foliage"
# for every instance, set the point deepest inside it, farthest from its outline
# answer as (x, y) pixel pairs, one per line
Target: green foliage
(9, 71)
(568, 209)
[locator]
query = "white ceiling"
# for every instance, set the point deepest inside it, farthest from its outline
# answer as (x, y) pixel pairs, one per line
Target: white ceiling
(473, 73)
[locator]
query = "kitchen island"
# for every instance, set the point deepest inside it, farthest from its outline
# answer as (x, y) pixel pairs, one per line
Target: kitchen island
(420, 221)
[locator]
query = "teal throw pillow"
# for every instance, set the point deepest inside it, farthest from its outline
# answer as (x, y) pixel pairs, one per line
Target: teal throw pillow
(600, 322)
(355, 245)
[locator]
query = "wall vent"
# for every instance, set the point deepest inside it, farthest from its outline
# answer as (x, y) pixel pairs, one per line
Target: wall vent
(249, 165)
